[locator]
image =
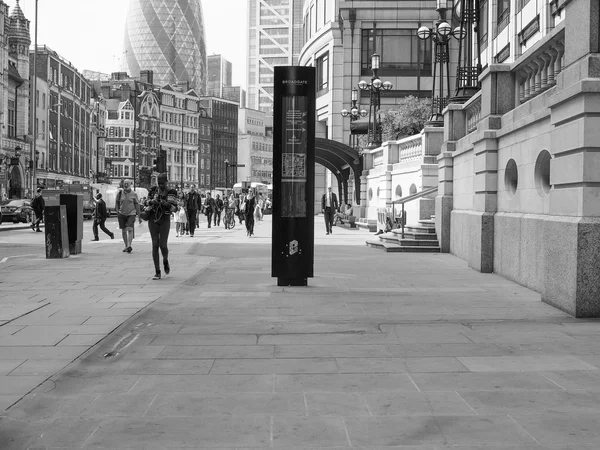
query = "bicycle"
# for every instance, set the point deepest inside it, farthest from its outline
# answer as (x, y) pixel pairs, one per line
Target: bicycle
(229, 219)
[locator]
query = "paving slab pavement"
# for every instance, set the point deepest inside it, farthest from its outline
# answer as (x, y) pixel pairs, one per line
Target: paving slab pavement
(381, 350)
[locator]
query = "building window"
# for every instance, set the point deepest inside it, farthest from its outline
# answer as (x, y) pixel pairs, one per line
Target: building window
(12, 122)
(483, 25)
(322, 65)
(402, 52)
(503, 14)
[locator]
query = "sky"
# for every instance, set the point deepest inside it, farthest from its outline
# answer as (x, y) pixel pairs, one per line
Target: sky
(89, 33)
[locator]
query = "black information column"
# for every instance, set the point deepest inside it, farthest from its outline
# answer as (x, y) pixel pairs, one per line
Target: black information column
(293, 175)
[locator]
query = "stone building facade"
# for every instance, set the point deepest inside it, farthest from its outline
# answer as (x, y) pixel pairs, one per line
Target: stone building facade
(519, 178)
(255, 147)
(179, 130)
(15, 150)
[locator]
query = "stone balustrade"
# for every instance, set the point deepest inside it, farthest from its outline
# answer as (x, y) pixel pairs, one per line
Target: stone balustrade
(411, 148)
(378, 158)
(473, 112)
(537, 72)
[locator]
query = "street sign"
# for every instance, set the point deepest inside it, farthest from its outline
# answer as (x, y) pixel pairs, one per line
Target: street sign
(292, 249)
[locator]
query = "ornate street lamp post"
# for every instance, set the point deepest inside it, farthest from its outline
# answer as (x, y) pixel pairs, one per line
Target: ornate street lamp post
(440, 35)
(354, 114)
(374, 88)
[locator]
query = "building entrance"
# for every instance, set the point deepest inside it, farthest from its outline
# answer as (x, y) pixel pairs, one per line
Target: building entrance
(344, 162)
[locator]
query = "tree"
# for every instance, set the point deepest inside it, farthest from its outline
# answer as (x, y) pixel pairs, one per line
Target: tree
(407, 120)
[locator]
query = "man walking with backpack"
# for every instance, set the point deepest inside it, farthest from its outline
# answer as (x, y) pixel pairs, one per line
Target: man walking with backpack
(100, 216)
(38, 204)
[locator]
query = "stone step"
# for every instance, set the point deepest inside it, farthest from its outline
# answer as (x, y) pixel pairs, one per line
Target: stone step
(393, 238)
(419, 242)
(395, 248)
(416, 229)
(414, 235)
(430, 223)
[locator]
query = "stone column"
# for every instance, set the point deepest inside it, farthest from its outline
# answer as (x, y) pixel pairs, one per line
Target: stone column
(444, 200)
(572, 232)
(454, 129)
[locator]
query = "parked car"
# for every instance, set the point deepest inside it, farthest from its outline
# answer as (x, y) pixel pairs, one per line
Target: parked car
(17, 211)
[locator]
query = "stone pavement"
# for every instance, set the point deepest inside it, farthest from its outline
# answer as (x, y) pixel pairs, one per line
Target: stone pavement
(381, 350)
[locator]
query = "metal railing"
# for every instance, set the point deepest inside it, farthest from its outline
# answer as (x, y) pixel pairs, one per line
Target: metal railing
(407, 199)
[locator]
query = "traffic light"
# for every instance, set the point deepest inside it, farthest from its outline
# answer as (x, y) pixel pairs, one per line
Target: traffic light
(159, 164)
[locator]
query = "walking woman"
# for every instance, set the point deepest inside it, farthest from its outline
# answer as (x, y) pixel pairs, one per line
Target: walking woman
(249, 212)
(161, 204)
(180, 215)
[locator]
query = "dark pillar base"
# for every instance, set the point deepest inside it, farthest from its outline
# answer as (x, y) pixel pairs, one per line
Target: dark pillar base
(292, 282)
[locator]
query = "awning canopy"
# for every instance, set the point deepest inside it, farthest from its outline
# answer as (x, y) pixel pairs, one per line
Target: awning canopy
(360, 126)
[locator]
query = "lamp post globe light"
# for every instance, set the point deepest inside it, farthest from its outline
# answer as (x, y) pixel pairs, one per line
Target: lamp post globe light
(440, 34)
(374, 88)
(354, 113)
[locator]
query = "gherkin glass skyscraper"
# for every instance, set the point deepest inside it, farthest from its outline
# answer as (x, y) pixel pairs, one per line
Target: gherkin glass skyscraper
(167, 37)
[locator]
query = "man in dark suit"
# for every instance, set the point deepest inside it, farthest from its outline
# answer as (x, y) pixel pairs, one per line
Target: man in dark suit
(100, 216)
(193, 203)
(329, 206)
(209, 207)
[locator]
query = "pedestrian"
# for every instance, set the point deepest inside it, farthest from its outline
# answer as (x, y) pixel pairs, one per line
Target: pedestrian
(241, 207)
(209, 207)
(100, 216)
(329, 206)
(38, 204)
(161, 204)
(127, 206)
(218, 210)
(249, 212)
(180, 215)
(192, 205)
(259, 207)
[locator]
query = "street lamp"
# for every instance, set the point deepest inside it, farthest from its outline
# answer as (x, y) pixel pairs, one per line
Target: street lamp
(33, 102)
(440, 35)
(227, 165)
(354, 114)
(374, 88)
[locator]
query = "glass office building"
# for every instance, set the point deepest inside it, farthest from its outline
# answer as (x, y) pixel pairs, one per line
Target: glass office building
(274, 39)
(167, 37)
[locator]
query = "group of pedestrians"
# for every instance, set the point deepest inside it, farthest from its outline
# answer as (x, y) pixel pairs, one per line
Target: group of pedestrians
(161, 204)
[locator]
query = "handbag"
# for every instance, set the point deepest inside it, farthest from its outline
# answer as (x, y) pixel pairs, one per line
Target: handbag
(145, 214)
(243, 207)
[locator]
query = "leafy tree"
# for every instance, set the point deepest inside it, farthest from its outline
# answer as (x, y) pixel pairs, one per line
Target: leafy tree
(406, 119)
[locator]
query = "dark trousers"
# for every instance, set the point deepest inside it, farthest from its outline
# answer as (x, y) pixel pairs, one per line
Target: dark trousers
(328, 214)
(217, 218)
(159, 232)
(209, 217)
(249, 218)
(100, 223)
(191, 216)
(38, 219)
